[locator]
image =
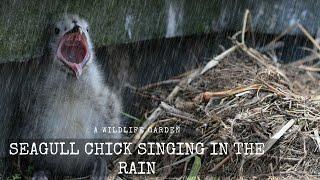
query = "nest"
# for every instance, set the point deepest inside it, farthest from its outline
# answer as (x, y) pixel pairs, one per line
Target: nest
(239, 96)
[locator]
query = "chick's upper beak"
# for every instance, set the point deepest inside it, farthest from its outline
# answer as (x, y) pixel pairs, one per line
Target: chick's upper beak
(75, 29)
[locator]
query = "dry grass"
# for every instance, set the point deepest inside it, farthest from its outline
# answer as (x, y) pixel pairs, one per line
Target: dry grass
(241, 96)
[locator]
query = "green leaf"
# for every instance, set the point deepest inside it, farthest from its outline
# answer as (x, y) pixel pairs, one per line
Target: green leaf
(15, 177)
(132, 117)
(195, 168)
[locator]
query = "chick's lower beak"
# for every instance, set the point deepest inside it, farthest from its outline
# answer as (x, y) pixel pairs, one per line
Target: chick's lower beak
(77, 69)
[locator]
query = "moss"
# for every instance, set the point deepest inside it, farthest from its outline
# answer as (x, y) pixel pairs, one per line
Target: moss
(23, 23)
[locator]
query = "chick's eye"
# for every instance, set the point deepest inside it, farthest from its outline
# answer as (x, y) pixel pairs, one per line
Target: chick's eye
(56, 30)
(87, 29)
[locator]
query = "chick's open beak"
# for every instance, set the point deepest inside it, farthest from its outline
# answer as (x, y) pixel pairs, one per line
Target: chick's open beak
(73, 50)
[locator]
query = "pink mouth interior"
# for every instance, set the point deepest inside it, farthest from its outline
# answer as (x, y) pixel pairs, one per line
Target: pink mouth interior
(73, 48)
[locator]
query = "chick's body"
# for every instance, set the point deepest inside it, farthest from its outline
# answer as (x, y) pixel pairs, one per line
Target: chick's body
(62, 97)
